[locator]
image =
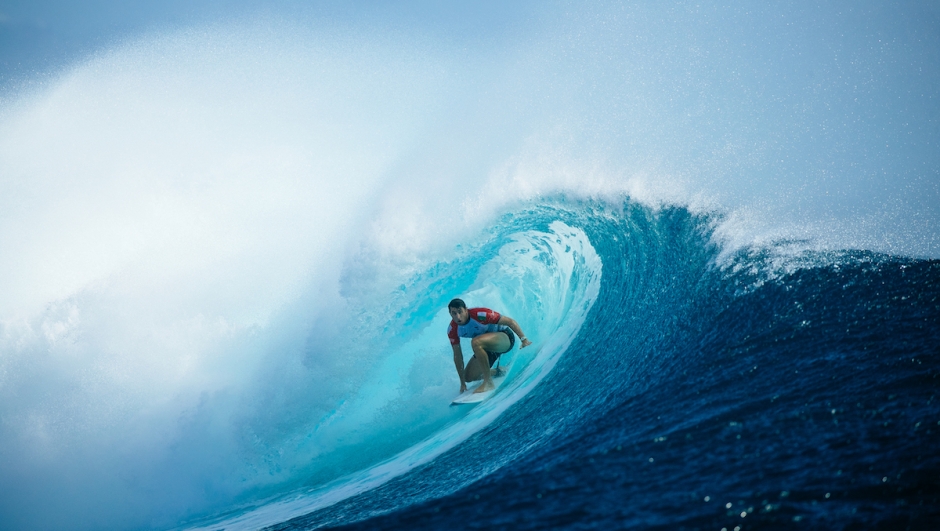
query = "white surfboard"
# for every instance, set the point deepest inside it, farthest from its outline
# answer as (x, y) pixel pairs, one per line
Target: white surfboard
(469, 397)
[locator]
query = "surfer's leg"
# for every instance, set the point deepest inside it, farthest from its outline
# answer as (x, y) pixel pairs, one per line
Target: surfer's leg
(493, 341)
(472, 373)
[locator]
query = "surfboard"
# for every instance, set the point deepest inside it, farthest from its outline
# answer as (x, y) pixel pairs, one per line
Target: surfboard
(469, 397)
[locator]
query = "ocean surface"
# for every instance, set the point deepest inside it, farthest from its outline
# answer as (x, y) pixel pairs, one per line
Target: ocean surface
(227, 243)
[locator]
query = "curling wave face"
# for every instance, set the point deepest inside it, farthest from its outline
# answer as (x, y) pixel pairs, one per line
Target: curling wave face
(531, 264)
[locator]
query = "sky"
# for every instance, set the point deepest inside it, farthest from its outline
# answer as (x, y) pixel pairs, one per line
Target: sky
(43, 35)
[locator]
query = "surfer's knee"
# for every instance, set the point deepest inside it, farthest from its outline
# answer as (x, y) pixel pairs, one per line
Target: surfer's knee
(476, 343)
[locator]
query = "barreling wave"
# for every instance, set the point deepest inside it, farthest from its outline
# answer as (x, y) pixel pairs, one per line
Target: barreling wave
(226, 249)
(665, 373)
(532, 264)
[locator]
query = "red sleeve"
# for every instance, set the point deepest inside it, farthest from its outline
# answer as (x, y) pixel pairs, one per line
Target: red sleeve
(484, 315)
(452, 334)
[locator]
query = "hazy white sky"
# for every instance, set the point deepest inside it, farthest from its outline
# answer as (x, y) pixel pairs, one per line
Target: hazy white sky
(38, 35)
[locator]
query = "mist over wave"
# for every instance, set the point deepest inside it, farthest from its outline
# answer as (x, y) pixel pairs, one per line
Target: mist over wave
(214, 239)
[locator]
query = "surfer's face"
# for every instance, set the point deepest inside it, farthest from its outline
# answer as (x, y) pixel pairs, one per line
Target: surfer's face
(459, 315)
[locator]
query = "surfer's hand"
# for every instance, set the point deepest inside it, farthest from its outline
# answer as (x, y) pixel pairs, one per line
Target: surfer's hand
(463, 387)
(525, 343)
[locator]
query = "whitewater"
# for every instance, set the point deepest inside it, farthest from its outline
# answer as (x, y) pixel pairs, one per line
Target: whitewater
(227, 246)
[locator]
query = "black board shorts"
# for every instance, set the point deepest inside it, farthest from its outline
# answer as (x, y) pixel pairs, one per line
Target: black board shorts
(493, 356)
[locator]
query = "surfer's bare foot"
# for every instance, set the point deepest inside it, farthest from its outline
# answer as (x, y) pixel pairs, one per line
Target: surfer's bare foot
(484, 387)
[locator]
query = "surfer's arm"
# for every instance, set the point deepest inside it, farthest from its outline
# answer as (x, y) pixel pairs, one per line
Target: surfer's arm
(514, 326)
(458, 363)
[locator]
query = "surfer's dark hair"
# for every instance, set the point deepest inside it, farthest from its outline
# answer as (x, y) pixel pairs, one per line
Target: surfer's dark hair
(457, 303)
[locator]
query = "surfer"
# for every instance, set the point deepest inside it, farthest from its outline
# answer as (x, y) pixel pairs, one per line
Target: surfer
(491, 335)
